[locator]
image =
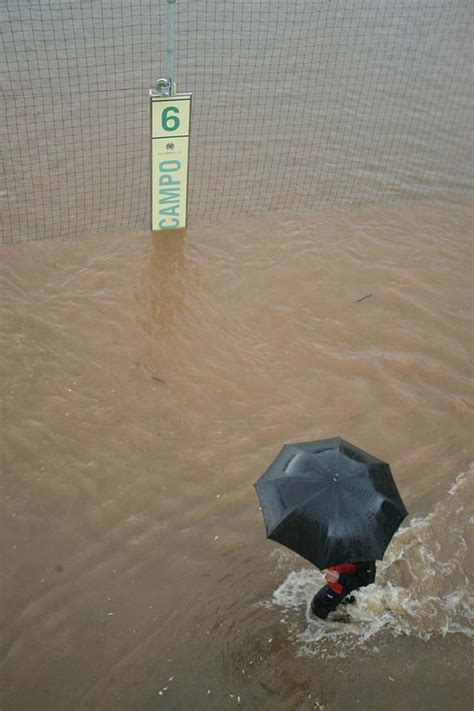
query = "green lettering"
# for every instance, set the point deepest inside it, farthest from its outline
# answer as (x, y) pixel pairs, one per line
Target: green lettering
(167, 196)
(174, 223)
(173, 210)
(169, 166)
(167, 180)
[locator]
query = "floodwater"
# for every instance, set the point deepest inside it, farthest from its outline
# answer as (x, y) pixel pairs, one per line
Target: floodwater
(149, 381)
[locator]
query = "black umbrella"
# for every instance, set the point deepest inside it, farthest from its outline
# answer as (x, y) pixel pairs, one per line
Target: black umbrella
(330, 502)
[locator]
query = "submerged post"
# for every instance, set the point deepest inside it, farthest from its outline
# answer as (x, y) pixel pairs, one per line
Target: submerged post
(170, 129)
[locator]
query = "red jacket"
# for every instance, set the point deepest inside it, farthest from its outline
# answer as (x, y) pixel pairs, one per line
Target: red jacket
(349, 568)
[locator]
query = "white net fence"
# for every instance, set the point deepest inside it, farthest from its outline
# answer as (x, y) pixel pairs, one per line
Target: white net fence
(296, 104)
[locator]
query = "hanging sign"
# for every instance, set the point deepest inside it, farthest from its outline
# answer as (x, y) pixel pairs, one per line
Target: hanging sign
(170, 127)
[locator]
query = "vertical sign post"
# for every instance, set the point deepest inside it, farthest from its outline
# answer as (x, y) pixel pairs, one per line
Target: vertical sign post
(170, 129)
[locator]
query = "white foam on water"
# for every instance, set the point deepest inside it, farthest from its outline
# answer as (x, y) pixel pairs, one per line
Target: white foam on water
(422, 586)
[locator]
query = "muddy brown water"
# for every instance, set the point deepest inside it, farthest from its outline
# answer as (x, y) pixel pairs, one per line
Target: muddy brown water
(148, 382)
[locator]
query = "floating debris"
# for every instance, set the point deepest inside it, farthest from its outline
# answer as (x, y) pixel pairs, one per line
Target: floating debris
(367, 296)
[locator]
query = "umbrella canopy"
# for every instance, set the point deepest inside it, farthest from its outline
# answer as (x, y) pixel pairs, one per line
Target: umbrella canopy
(330, 502)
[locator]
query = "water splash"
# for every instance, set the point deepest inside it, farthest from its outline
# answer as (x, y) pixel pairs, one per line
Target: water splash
(422, 586)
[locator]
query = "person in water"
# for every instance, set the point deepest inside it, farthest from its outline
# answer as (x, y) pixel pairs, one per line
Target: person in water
(341, 581)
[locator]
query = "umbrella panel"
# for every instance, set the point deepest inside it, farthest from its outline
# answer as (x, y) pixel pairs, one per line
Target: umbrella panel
(330, 502)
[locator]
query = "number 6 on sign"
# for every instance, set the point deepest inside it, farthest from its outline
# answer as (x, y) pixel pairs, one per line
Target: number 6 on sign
(170, 125)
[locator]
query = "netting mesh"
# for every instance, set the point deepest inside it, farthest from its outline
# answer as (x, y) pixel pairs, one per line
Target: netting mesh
(295, 105)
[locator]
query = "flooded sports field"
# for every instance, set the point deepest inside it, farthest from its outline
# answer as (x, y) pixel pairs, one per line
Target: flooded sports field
(323, 288)
(148, 381)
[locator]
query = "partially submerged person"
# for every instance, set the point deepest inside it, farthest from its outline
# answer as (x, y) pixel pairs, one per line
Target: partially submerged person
(341, 581)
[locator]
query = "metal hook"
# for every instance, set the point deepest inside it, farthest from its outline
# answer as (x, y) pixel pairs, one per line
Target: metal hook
(163, 87)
